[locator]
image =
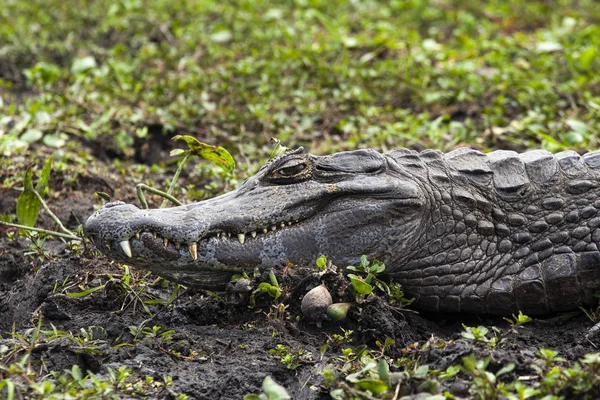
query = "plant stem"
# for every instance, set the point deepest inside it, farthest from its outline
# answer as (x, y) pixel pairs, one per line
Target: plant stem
(140, 195)
(175, 178)
(51, 214)
(31, 228)
(158, 192)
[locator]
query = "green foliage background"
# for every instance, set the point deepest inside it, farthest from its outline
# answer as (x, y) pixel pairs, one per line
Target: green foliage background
(331, 75)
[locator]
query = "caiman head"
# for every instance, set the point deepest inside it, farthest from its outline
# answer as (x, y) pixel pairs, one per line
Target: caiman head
(297, 207)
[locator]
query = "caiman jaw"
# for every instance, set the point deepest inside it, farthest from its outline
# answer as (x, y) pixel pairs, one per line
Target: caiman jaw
(125, 244)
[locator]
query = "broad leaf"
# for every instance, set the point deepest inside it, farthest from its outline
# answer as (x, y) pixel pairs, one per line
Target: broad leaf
(28, 205)
(374, 386)
(274, 391)
(359, 285)
(216, 154)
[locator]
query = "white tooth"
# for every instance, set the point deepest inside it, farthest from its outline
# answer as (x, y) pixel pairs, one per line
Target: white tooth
(265, 230)
(218, 234)
(229, 235)
(253, 234)
(193, 247)
(296, 221)
(273, 227)
(165, 242)
(241, 238)
(126, 246)
(282, 225)
(289, 223)
(137, 236)
(154, 235)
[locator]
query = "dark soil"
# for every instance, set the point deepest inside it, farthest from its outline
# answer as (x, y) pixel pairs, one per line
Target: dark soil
(220, 349)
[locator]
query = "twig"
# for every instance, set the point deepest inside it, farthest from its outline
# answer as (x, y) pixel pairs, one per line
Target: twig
(51, 214)
(167, 196)
(174, 180)
(31, 228)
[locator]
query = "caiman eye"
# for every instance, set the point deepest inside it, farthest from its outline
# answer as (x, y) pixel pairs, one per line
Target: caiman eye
(291, 170)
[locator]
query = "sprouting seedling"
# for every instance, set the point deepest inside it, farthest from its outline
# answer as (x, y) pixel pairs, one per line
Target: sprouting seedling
(216, 154)
(31, 201)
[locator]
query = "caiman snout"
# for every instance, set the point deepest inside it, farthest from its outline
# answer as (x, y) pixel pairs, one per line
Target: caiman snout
(296, 208)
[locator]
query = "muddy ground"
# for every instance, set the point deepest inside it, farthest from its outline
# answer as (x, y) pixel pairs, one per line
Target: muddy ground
(219, 349)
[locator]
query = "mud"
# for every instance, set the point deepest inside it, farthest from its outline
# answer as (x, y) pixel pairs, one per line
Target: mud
(220, 348)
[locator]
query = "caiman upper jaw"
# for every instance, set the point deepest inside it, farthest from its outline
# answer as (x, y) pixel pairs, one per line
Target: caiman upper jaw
(131, 228)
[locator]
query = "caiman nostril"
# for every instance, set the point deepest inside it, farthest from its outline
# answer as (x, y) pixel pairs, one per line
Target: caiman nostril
(113, 204)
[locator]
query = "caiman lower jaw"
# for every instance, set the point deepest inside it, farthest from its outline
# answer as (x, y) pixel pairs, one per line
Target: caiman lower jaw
(125, 245)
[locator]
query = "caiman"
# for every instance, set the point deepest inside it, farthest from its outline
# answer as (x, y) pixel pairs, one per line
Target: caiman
(463, 231)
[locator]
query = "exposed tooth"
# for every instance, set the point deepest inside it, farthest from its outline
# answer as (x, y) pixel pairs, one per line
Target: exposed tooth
(108, 244)
(177, 245)
(273, 227)
(126, 246)
(154, 235)
(265, 230)
(165, 242)
(282, 225)
(241, 238)
(253, 234)
(137, 236)
(193, 250)
(229, 235)
(289, 223)
(218, 235)
(296, 221)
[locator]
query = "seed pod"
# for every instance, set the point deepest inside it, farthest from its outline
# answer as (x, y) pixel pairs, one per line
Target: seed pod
(315, 302)
(338, 311)
(243, 285)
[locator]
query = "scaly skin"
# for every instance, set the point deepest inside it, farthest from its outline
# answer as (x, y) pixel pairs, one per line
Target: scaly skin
(461, 232)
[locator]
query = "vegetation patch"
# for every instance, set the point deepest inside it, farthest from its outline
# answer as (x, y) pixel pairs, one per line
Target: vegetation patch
(91, 94)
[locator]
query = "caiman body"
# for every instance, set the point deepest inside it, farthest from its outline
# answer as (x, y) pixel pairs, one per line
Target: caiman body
(461, 232)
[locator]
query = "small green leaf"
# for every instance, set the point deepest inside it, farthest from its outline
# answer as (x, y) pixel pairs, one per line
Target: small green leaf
(263, 287)
(274, 292)
(587, 57)
(506, 369)
(274, 391)
(364, 262)
(359, 285)
(578, 126)
(377, 267)
(28, 205)
(384, 369)
(252, 397)
(548, 47)
(31, 135)
(76, 373)
(54, 140)
(83, 64)
(216, 154)
(42, 185)
(221, 36)
(321, 262)
(374, 386)
(85, 292)
(178, 152)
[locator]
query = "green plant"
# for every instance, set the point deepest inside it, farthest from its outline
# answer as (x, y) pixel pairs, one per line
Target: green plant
(479, 334)
(271, 391)
(368, 276)
(290, 358)
(271, 288)
(517, 321)
(486, 385)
